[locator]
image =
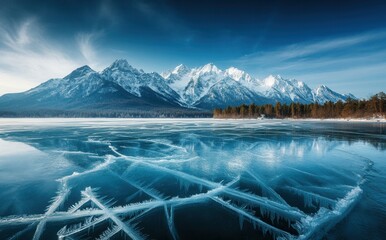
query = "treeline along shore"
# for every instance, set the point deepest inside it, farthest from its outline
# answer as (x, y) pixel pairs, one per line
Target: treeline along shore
(366, 108)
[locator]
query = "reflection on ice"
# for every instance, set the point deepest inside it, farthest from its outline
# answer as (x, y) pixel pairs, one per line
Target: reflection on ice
(114, 179)
(21, 163)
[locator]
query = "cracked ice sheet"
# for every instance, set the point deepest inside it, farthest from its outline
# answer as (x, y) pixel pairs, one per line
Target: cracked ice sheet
(278, 170)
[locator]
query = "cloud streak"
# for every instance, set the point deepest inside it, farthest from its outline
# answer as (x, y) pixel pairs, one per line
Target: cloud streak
(29, 56)
(307, 49)
(86, 45)
(330, 61)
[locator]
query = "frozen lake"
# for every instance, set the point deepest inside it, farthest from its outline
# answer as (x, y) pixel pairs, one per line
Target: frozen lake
(191, 179)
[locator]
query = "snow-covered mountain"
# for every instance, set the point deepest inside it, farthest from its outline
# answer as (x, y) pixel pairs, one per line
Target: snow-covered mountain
(87, 91)
(209, 87)
(133, 80)
(80, 83)
(121, 86)
(193, 84)
(323, 94)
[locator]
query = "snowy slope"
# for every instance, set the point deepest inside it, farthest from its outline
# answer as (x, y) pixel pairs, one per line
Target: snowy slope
(133, 80)
(193, 84)
(178, 78)
(284, 90)
(228, 92)
(238, 75)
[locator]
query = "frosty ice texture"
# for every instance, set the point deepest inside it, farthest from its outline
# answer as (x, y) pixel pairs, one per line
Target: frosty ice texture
(274, 180)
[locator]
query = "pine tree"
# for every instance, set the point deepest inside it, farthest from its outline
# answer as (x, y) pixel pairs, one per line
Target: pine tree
(375, 106)
(278, 110)
(251, 110)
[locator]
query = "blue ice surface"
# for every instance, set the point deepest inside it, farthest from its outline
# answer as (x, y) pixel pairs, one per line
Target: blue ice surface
(191, 179)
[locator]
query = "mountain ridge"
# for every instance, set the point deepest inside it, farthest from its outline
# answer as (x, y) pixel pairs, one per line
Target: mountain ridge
(121, 87)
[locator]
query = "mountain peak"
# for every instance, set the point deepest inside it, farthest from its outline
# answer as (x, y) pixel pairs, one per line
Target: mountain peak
(270, 80)
(237, 74)
(120, 61)
(350, 95)
(121, 64)
(81, 71)
(234, 71)
(300, 83)
(209, 68)
(321, 88)
(180, 69)
(324, 94)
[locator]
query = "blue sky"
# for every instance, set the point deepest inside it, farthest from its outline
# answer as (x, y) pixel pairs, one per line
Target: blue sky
(341, 44)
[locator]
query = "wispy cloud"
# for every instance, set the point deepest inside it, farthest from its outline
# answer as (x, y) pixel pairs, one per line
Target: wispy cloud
(29, 56)
(86, 44)
(331, 61)
(19, 36)
(308, 49)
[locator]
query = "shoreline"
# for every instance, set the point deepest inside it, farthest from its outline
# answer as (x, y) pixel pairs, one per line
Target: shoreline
(341, 119)
(383, 120)
(61, 119)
